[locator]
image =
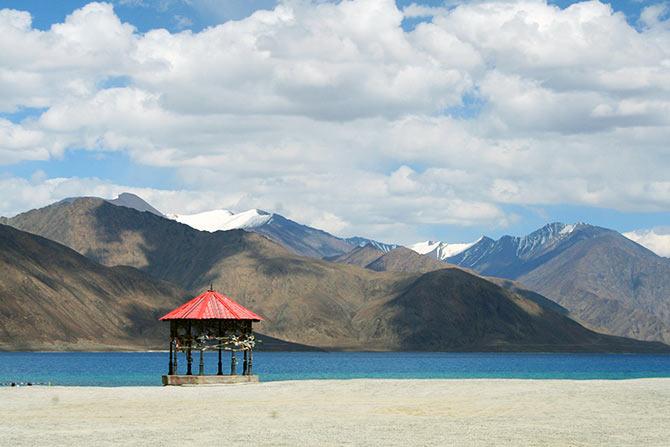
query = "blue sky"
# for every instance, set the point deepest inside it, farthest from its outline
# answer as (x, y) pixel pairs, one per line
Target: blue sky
(150, 14)
(140, 169)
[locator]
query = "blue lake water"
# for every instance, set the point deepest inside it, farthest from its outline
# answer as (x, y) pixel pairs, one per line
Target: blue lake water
(145, 368)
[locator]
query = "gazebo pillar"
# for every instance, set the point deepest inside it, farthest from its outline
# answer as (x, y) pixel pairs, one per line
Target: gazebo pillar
(245, 363)
(189, 361)
(250, 366)
(233, 363)
(219, 371)
(171, 361)
(174, 365)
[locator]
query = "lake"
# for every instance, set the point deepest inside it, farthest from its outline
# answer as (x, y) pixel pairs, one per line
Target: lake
(145, 368)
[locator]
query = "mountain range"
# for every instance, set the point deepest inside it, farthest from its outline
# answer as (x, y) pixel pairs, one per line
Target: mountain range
(604, 279)
(592, 289)
(300, 239)
(304, 300)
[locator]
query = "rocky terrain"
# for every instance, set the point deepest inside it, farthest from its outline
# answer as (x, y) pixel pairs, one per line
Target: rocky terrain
(604, 279)
(304, 300)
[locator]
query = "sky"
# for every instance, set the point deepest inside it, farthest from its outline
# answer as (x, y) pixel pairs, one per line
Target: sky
(399, 121)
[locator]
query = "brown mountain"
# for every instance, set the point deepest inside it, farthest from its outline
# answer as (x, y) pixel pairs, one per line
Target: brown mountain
(52, 297)
(403, 259)
(399, 259)
(302, 239)
(453, 310)
(408, 261)
(316, 302)
(360, 256)
(611, 284)
(605, 280)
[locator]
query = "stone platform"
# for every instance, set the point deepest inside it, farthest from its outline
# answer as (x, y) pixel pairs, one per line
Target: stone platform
(179, 380)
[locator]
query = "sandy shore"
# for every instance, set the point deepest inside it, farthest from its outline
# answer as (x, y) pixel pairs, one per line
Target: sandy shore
(354, 412)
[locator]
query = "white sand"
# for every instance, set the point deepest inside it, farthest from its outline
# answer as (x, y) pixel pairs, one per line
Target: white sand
(354, 412)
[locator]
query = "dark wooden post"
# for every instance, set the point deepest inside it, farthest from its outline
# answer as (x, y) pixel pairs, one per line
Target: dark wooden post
(176, 351)
(233, 363)
(219, 371)
(250, 366)
(245, 363)
(170, 363)
(201, 370)
(189, 361)
(189, 356)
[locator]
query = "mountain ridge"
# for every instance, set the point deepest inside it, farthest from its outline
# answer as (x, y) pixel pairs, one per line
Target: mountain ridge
(315, 302)
(580, 266)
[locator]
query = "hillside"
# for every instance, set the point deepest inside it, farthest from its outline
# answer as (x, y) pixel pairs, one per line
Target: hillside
(302, 239)
(137, 203)
(610, 283)
(605, 280)
(53, 298)
(451, 309)
(360, 256)
(511, 257)
(403, 259)
(315, 302)
(400, 259)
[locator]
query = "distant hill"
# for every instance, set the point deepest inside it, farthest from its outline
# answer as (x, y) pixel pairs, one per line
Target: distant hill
(450, 309)
(53, 298)
(605, 280)
(358, 241)
(319, 303)
(360, 256)
(405, 260)
(511, 257)
(401, 259)
(135, 202)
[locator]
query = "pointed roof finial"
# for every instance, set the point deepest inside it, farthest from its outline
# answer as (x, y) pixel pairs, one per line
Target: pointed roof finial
(211, 286)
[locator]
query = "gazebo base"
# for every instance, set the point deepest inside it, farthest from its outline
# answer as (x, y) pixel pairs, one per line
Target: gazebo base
(208, 380)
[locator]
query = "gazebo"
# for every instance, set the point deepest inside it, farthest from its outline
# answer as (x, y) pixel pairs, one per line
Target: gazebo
(211, 321)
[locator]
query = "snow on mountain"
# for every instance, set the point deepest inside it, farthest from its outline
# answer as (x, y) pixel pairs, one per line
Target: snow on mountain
(222, 220)
(362, 242)
(440, 250)
(512, 256)
(545, 237)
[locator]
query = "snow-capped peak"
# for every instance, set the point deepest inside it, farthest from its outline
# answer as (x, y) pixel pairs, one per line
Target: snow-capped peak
(440, 250)
(362, 242)
(567, 229)
(424, 247)
(223, 220)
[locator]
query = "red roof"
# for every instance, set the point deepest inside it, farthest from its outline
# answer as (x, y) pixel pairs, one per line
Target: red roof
(211, 305)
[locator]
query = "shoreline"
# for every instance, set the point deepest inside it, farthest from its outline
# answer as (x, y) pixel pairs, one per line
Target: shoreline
(432, 412)
(345, 380)
(345, 351)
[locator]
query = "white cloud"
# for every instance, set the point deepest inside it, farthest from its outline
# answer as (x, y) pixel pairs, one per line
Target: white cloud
(654, 16)
(333, 114)
(655, 239)
(18, 143)
(20, 194)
